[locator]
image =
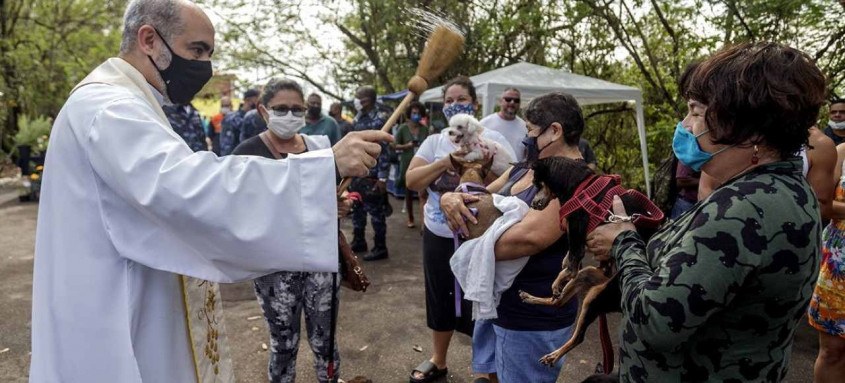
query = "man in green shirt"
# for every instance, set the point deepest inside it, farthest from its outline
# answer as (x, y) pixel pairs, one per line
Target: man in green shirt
(318, 124)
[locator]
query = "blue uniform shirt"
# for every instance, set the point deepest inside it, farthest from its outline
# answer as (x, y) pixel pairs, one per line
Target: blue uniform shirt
(186, 122)
(252, 125)
(230, 132)
(373, 120)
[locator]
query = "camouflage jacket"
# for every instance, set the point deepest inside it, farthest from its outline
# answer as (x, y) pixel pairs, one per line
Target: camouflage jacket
(230, 132)
(187, 124)
(252, 124)
(374, 120)
(717, 294)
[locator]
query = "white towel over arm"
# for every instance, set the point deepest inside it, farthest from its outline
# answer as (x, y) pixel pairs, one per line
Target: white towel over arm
(474, 264)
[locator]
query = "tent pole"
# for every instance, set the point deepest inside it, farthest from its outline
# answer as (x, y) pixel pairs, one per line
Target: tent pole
(643, 145)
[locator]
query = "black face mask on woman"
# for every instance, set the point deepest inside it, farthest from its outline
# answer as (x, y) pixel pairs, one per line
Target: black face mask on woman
(183, 78)
(532, 149)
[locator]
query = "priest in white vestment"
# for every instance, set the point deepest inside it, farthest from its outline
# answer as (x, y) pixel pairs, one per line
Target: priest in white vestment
(126, 206)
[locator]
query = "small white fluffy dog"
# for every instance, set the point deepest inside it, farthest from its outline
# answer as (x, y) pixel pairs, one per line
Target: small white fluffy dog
(465, 131)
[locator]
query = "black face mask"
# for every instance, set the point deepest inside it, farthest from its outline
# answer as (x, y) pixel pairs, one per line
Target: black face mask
(314, 111)
(183, 78)
(532, 149)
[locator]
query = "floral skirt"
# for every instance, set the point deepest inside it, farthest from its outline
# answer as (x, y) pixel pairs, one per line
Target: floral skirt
(827, 307)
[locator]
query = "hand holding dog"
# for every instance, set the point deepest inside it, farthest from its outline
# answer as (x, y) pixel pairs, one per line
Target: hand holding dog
(448, 161)
(455, 209)
(601, 239)
(357, 152)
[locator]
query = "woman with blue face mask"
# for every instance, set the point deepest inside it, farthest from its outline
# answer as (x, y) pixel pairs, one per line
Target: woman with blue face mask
(431, 170)
(717, 293)
(409, 137)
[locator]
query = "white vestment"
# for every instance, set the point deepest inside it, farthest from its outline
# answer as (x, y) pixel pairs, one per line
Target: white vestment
(126, 206)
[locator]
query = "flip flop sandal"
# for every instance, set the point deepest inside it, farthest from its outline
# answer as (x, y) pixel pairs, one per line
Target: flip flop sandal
(430, 372)
(481, 380)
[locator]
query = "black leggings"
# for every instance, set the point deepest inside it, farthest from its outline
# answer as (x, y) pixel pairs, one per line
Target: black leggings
(440, 287)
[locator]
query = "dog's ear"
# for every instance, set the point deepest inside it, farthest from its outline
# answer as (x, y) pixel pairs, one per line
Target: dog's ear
(576, 234)
(541, 172)
(475, 125)
(457, 163)
(489, 164)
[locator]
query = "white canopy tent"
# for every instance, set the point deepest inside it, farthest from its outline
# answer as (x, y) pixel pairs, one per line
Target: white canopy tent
(534, 80)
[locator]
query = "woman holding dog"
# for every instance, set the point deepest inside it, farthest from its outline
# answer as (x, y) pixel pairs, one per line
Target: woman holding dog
(285, 295)
(555, 124)
(431, 169)
(716, 295)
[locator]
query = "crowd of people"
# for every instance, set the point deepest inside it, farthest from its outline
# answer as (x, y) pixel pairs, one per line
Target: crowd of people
(753, 243)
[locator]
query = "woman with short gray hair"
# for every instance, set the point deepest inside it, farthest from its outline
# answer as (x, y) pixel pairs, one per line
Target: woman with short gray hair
(285, 295)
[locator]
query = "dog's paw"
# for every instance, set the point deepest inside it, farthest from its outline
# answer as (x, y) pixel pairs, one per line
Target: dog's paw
(527, 298)
(548, 360)
(562, 280)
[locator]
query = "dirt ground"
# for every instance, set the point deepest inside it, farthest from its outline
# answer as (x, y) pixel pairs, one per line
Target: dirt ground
(378, 330)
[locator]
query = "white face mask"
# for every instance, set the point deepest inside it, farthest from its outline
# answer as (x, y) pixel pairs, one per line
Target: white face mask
(836, 125)
(358, 105)
(225, 109)
(285, 126)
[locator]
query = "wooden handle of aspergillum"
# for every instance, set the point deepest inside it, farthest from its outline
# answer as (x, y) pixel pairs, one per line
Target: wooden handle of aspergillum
(386, 128)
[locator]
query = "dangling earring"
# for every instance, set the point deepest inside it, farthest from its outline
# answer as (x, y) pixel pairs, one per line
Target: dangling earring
(754, 158)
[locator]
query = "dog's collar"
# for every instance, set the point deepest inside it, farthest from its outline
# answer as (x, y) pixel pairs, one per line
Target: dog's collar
(471, 188)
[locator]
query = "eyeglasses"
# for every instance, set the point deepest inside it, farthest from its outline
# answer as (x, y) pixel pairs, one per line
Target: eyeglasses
(511, 99)
(281, 110)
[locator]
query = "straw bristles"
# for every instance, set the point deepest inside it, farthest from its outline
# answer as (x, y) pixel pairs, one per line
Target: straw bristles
(442, 49)
(444, 44)
(428, 21)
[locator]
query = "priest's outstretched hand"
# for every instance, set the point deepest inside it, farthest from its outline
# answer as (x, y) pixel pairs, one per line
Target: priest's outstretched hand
(357, 152)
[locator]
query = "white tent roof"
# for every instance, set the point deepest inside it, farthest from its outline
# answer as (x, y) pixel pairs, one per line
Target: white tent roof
(534, 80)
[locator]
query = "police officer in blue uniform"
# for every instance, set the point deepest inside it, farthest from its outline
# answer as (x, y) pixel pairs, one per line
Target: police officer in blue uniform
(372, 188)
(187, 123)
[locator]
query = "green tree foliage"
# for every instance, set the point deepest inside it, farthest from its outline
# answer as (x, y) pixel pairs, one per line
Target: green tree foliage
(643, 43)
(46, 47)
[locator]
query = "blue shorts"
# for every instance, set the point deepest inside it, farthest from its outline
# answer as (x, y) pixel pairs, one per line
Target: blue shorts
(484, 347)
(524, 365)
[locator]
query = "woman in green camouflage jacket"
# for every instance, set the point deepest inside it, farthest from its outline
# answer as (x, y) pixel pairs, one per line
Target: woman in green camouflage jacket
(716, 295)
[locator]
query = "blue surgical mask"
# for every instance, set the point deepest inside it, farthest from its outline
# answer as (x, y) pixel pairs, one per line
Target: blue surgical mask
(456, 108)
(688, 151)
(415, 117)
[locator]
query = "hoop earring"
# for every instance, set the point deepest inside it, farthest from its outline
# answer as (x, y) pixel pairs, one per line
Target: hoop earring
(754, 158)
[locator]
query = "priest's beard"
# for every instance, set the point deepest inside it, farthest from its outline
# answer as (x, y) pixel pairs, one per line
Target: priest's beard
(162, 60)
